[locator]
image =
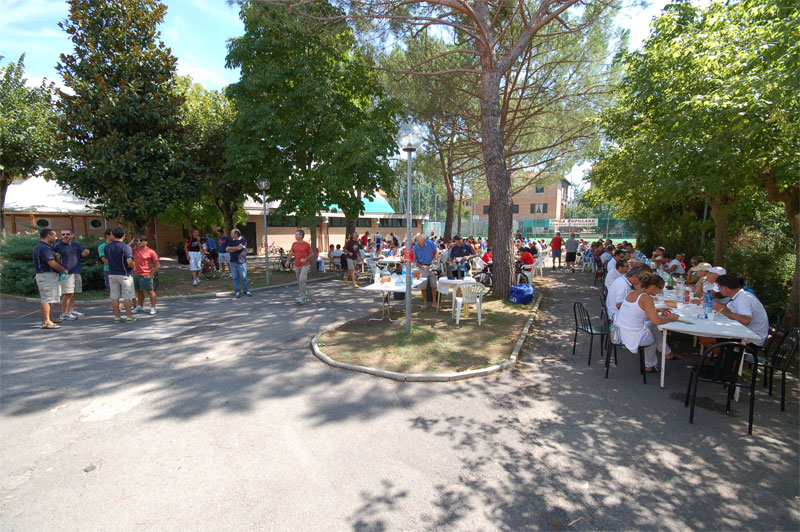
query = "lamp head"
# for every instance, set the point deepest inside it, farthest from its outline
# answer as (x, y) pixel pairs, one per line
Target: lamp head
(409, 138)
(263, 184)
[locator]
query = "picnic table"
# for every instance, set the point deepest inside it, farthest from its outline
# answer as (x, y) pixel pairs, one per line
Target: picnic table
(387, 288)
(716, 326)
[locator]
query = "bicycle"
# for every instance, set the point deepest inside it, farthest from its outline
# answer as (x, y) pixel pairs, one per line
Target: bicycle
(484, 277)
(207, 268)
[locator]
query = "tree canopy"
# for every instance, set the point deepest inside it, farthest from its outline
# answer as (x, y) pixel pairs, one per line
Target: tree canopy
(119, 133)
(25, 114)
(310, 113)
(708, 111)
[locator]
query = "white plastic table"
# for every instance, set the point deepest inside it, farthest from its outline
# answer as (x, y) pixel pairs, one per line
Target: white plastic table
(388, 288)
(445, 285)
(390, 260)
(716, 326)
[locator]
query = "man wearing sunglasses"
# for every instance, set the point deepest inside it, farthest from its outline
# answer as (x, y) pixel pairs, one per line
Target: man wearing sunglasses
(70, 253)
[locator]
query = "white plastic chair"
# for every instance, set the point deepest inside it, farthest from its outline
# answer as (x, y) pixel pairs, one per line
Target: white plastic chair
(471, 294)
(539, 265)
(588, 262)
(528, 271)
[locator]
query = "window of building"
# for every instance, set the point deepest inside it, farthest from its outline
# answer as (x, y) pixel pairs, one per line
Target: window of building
(516, 208)
(485, 209)
(42, 223)
(538, 208)
(364, 222)
(95, 223)
(396, 222)
(276, 220)
(539, 189)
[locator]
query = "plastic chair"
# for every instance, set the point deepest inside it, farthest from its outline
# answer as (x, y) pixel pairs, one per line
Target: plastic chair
(539, 265)
(780, 360)
(583, 324)
(527, 270)
(721, 369)
(588, 262)
(471, 294)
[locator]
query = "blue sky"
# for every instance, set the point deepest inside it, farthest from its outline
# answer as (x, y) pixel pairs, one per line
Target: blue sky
(195, 30)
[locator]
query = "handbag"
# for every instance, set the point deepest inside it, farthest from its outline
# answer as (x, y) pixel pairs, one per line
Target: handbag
(613, 332)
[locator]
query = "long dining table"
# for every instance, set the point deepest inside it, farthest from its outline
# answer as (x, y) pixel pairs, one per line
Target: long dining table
(715, 326)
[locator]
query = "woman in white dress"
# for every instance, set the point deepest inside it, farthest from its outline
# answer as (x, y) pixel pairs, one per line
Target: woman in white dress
(637, 320)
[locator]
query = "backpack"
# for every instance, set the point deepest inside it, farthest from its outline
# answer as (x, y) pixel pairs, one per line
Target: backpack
(522, 294)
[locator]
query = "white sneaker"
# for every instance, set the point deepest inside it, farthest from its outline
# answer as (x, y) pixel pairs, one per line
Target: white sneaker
(153, 311)
(78, 314)
(195, 281)
(68, 316)
(299, 300)
(137, 309)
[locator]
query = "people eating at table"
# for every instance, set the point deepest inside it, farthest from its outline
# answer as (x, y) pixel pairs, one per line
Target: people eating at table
(709, 283)
(697, 265)
(460, 254)
(671, 265)
(620, 288)
(638, 319)
(619, 270)
(742, 306)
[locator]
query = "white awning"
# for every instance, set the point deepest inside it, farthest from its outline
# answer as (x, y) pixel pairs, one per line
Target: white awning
(37, 195)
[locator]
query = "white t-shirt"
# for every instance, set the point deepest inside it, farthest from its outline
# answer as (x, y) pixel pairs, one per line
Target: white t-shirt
(337, 253)
(747, 304)
(679, 269)
(605, 257)
(612, 276)
(620, 288)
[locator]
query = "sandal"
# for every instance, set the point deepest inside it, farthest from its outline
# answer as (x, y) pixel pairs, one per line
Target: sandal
(50, 326)
(652, 369)
(674, 356)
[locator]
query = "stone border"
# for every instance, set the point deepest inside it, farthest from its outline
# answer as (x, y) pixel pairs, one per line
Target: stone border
(93, 302)
(434, 377)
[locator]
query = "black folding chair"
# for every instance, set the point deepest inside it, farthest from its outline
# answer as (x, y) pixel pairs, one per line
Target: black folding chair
(583, 323)
(721, 369)
(779, 360)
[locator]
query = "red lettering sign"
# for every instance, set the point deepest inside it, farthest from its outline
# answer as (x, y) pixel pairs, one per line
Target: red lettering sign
(408, 255)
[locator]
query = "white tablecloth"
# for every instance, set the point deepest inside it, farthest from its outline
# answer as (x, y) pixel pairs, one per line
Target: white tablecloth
(716, 326)
(393, 287)
(444, 285)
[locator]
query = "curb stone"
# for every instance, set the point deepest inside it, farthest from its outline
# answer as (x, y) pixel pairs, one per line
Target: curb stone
(433, 377)
(95, 302)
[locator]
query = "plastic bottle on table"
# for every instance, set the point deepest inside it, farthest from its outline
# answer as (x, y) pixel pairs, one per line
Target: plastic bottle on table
(708, 308)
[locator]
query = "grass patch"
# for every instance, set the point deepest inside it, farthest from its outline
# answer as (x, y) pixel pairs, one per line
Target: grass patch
(436, 344)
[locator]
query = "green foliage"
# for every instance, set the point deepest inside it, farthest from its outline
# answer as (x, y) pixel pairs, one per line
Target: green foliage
(119, 134)
(16, 266)
(25, 115)
(310, 114)
(24, 121)
(768, 273)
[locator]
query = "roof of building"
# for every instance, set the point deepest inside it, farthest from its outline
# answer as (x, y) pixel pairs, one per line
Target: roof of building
(38, 195)
(377, 205)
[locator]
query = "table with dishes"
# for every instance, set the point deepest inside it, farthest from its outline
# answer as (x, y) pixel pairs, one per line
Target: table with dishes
(691, 322)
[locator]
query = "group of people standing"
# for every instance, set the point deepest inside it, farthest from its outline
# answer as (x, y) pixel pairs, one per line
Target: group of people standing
(128, 271)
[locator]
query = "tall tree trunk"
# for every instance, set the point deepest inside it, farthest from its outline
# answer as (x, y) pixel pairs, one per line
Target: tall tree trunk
(188, 213)
(720, 230)
(227, 217)
(448, 220)
(790, 197)
(4, 182)
(312, 229)
(498, 179)
(460, 204)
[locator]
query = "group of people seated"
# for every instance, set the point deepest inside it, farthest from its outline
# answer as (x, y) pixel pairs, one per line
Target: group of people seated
(634, 280)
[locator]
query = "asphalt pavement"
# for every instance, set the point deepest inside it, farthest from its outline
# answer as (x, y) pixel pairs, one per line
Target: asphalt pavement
(214, 415)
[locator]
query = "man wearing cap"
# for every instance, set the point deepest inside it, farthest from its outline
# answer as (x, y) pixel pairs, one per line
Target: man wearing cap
(425, 252)
(709, 283)
(461, 251)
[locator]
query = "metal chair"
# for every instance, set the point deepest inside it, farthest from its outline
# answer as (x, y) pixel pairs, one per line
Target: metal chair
(720, 365)
(780, 360)
(583, 324)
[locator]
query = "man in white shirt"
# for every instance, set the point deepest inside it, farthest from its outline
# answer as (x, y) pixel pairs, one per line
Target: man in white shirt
(743, 307)
(616, 256)
(619, 271)
(620, 288)
(673, 266)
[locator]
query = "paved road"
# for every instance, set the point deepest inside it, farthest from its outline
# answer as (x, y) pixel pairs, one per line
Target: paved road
(214, 415)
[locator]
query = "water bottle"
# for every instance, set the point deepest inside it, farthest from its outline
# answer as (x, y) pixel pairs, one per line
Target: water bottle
(708, 308)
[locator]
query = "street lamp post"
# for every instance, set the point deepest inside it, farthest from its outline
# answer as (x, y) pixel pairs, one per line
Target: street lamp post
(409, 139)
(263, 184)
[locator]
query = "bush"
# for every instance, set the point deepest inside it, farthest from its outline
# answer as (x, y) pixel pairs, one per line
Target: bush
(769, 274)
(16, 264)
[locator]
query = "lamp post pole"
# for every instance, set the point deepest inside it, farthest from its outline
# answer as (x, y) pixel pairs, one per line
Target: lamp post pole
(263, 184)
(409, 139)
(409, 245)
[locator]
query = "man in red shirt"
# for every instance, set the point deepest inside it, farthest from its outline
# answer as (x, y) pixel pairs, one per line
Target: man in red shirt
(487, 257)
(145, 265)
(365, 240)
(556, 245)
(302, 262)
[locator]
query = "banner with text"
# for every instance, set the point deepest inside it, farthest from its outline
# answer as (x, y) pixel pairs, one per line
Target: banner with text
(574, 222)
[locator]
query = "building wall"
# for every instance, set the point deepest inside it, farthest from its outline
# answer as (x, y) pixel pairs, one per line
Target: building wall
(553, 195)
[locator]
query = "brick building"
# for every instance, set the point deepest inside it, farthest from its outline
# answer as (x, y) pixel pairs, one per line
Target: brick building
(538, 202)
